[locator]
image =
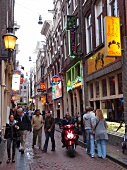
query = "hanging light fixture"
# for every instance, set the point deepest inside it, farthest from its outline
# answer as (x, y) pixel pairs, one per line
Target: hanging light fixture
(40, 20)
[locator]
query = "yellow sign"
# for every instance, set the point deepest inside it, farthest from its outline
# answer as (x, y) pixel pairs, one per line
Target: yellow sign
(98, 61)
(112, 36)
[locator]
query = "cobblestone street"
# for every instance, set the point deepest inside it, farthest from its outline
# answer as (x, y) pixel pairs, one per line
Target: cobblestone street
(37, 160)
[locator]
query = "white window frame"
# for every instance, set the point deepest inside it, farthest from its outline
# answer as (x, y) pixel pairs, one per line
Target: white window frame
(89, 45)
(98, 15)
(110, 6)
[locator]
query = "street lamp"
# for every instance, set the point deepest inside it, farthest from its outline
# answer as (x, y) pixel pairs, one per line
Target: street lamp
(9, 40)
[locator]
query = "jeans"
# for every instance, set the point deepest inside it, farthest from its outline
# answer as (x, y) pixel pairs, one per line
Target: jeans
(47, 135)
(37, 133)
(9, 142)
(101, 148)
(23, 138)
(90, 142)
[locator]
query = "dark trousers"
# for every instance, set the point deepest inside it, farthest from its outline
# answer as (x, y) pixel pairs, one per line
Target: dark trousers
(9, 143)
(47, 135)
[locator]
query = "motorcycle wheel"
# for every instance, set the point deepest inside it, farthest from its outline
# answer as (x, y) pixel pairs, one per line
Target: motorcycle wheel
(71, 151)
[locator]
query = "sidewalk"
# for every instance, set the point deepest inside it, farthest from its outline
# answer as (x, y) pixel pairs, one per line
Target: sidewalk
(113, 152)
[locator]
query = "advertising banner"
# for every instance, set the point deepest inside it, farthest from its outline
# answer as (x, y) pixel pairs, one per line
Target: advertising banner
(16, 82)
(56, 87)
(112, 36)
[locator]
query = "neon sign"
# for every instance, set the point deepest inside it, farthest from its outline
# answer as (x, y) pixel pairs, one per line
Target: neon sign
(74, 84)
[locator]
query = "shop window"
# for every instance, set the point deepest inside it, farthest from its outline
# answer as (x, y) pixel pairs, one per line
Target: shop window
(97, 88)
(77, 67)
(120, 85)
(91, 90)
(112, 85)
(104, 88)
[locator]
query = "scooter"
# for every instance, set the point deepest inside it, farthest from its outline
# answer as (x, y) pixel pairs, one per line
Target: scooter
(70, 138)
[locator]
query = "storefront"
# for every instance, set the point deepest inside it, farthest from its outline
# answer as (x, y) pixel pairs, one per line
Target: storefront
(74, 91)
(106, 90)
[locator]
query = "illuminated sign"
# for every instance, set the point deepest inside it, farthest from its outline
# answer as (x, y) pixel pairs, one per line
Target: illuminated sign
(42, 86)
(98, 61)
(112, 36)
(74, 84)
(71, 22)
(16, 82)
(43, 100)
(56, 87)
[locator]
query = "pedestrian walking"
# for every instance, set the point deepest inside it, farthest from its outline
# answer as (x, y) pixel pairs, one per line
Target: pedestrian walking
(24, 126)
(37, 124)
(49, 128)
(89, 123)
(101, 134)
(11, 137)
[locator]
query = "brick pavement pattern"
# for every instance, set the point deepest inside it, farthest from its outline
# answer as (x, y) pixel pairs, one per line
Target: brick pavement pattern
(35, 159)
(59, 160)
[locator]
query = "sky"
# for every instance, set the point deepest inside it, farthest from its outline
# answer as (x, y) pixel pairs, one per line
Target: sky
(27, 16)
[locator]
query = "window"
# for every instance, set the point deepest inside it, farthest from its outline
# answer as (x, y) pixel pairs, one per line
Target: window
(120, 85)
(99, 23)
(104, 88)
(24, 87)
(88, 34)
(112, 8)
(97, 89)
(91, 90)
(65, 50)
(112, 85)
(75, 3)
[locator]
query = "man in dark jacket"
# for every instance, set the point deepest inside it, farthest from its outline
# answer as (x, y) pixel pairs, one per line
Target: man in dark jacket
(24, 126)
(66, 121)
(49, 128)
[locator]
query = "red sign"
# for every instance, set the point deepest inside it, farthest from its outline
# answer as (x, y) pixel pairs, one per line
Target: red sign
(42, 86)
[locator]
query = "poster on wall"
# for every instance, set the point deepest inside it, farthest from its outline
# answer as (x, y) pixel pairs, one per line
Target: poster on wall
(98, 61)
(56, 87)
(16, 82)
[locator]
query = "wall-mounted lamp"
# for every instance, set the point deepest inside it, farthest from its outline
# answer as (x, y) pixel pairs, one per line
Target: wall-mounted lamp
(9, 40)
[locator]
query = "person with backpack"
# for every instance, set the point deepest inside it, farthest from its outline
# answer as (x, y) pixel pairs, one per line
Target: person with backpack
(11, 136)
(24, 126)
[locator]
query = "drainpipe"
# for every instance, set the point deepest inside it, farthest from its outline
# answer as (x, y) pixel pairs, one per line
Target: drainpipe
(124, 69)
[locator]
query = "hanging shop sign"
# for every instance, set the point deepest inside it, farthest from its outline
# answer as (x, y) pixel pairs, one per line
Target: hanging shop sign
(56, 87)
(16, 82)
(71, 28)
(43, 100)
(98, 61)
(43, 86)
(112, 36)
(74, 84)
(71, 22)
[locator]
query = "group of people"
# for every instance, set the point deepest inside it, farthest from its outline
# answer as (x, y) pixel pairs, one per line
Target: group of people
(95, 130)
(20, 125)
